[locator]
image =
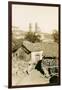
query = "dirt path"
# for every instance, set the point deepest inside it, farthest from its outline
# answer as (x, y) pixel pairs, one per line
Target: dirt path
(34, 78)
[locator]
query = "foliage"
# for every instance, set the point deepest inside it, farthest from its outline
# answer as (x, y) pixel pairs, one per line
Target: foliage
(55, 35)
(16, 43)
(32, 37)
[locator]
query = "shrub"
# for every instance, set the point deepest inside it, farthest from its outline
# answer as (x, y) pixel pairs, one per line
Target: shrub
(32, 37)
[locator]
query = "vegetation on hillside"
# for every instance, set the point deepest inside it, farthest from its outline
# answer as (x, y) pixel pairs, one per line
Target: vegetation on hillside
(16, 43)
(55, 35)
(32, 37)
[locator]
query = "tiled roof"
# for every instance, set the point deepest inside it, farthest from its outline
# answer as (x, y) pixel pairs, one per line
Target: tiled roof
(49, 49)
(32, 46)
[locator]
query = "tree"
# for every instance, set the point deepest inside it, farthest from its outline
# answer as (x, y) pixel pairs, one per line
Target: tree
(16, 43)
(55, 35)
(32, 37)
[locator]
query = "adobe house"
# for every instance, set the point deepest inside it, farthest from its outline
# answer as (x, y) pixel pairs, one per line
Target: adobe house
(33, 49)
(29, 52)
(35, 54)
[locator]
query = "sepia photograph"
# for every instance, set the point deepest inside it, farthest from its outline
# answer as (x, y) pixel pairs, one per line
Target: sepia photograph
(34, 44)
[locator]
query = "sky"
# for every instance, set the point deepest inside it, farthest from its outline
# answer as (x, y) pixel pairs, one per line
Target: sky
(45, 17)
